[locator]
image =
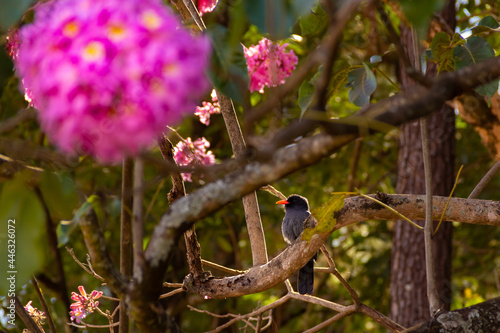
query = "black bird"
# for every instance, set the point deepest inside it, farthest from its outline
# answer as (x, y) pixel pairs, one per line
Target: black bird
(296, 212)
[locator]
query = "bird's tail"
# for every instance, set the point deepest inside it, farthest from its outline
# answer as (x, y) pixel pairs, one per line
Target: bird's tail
(306, 278)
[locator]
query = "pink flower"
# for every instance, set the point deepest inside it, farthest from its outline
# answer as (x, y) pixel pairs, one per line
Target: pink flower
(84, 304)
(207, 109)
(12, 44)
(107, 75)
(268, 64)
(205, 6)
(37, 315)
(188, 153)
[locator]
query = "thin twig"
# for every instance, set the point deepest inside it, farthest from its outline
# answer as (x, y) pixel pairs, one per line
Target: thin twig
(392, 210)
(236, 318)
(222, 268)
(496, 279)
(484, 181)
(20, 116)
(24, 316)
(432, 293)
(44, 304)
(172, 285)
(354, 164)
(448, 202)
(61, 287)
(274, 191)
(126, 218)
(92, 326)
(349, 311)
(227, 315)
(138, 217)
(336, 273)
(171, 293)
(109, 298)
(82, 265)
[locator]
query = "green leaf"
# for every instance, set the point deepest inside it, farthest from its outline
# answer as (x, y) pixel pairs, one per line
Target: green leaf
(489, 21)
(442, 52)
(22, 216)
(475, 50)
(60, 195)
(306, 96)
(11, 12)
(362, 83)
(341, 69)
(419, 13)
(487, 24)
(315, 23)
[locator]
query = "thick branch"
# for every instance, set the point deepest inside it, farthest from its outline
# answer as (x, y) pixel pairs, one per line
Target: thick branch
(356, 209)
(396, 110)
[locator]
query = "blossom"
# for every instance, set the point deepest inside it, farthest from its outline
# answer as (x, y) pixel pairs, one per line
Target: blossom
(84, 303)
(189, 153)
(268, 64)
(37, 315)
(205, 6)
(108, 76)
(207, 109)
(12, 44)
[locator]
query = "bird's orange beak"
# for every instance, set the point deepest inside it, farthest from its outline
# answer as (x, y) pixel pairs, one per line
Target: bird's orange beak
(282, 202)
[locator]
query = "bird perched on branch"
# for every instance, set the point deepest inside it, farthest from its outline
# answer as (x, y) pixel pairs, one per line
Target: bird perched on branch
(296, 213)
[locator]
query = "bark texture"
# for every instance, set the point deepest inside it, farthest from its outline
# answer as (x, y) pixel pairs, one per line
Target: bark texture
(482, 317)
(409, 302)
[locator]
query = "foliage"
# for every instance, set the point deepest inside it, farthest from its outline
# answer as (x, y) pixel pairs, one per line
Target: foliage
(39, 188)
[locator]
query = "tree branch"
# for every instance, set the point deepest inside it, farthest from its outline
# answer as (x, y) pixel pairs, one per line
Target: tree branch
(484, 181)
(356, 209)
(126, 232)
(193, 250)
(138, 217)
(250, 204)
(96, 245)
(24, 315)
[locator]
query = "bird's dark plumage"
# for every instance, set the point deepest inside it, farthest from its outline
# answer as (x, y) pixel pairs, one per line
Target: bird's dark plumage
(296, 212)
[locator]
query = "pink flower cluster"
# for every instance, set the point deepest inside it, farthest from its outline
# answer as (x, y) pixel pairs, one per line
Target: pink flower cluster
(108, 75)
(188, 153)
(205, 6)
(268, 64)
(37, 315)
(207, 109)
(84, 303)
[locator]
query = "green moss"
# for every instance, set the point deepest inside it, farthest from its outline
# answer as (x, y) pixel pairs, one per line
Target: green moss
(325, 216)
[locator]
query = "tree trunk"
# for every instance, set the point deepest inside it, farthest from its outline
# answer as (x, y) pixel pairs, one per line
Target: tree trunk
(409, 303)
